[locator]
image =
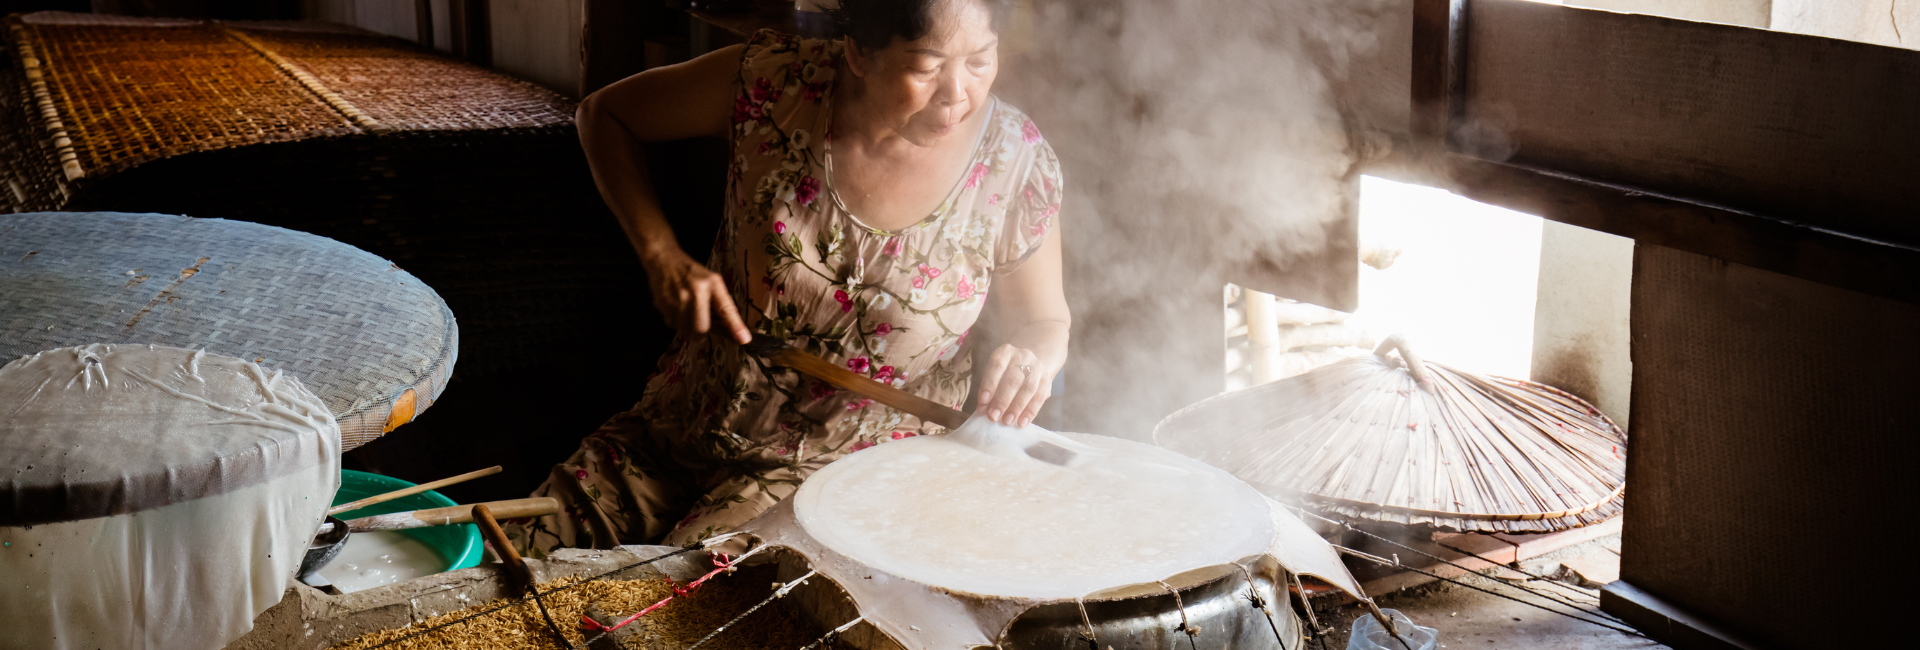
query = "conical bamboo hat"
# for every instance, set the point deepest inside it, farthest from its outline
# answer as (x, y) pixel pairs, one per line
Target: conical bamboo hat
(1394, 439)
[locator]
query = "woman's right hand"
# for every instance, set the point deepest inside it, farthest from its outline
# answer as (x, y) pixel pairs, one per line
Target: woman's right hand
(692, 297)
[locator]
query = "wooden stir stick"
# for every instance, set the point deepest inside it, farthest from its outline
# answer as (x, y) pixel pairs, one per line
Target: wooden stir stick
(381, 498)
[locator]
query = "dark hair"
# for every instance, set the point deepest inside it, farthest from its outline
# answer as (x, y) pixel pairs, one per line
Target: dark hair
(873, 24)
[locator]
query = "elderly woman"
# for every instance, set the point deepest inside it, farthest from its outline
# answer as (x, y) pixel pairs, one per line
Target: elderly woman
(879, 199)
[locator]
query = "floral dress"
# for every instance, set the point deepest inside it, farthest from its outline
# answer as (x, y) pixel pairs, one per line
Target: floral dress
(719, 435)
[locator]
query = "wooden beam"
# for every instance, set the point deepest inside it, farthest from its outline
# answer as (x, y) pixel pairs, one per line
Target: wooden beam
(1802, 129)
(1885, 269)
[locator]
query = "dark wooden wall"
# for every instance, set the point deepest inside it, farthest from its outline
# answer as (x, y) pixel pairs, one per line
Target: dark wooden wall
(1767, 180)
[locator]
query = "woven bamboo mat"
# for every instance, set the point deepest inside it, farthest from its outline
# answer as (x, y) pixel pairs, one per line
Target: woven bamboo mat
(470, 179)
(365, 336)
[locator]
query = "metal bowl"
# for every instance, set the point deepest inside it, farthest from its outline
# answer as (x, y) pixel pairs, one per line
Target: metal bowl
(324, 548)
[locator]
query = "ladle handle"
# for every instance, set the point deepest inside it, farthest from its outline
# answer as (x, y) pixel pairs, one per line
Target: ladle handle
(785, 355)
(1414, 366)
(516, 567)
(450, 515)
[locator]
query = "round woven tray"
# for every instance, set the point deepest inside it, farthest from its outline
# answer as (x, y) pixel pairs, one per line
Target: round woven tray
(368, 338)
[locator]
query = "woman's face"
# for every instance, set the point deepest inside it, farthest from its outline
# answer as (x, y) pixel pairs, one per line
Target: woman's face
(922, 90)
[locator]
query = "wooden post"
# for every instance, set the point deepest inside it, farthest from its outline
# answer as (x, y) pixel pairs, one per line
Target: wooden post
(472, 36)
(423, 22)
(1263, 333)
(613, 44)
(1439, 70)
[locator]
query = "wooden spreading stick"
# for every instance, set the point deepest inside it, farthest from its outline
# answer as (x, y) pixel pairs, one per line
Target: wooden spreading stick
(785, 355)
(382, 498)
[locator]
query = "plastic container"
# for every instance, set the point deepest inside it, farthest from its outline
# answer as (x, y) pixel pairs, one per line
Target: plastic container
(459, 544)
(1368, 635)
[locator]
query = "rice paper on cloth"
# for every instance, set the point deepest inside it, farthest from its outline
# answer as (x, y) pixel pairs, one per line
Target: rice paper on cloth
(153, 498)
(943, 541)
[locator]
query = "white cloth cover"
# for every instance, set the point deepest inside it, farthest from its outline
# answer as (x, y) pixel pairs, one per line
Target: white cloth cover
(943, 541)
(153, 498)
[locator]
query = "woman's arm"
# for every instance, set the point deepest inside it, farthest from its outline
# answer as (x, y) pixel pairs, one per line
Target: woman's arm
(1036, 308)
(673, 102)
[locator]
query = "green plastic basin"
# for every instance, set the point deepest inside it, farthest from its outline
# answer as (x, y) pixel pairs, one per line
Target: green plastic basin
(459, 544)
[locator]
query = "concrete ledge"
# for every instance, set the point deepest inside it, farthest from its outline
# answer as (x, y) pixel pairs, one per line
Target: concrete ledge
(309, 619)
(1665, 622)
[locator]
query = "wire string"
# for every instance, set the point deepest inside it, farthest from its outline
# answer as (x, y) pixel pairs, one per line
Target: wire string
(777, 594)
(1397, 563)
(522, 600)
(1544, 594)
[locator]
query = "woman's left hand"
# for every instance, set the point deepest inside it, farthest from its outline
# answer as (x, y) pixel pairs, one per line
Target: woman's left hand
(1018, 378)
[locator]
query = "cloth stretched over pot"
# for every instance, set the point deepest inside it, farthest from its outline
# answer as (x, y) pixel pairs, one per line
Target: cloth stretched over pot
(1398, 440)
(155, 498)
(943, 541)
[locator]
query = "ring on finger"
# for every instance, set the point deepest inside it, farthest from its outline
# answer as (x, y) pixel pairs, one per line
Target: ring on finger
(1027, 368)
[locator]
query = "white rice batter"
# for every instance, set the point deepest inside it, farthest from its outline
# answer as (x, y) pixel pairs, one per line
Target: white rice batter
(381, 558)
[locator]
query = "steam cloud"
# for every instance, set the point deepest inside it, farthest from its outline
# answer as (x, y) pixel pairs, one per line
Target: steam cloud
(1197, 138)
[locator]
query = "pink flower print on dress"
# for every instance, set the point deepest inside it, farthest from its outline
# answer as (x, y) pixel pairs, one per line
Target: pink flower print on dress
(859, 404)
(613, 454)
(858, 364)
(929, 271)
(808, 190)
(1029, 132)
(920, 281)
(993, 199)
(979, 172)
(895, 246)
(779, 227)
(883, 329)
(1046, 219)
(965, 290)
(861, 445)
(883, 374)
(902, 435)
(580, 474)
(846, 302)
(821, 390)
(744, 110)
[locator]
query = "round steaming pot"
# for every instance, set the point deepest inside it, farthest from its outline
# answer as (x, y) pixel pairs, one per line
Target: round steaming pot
(1217, 601)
